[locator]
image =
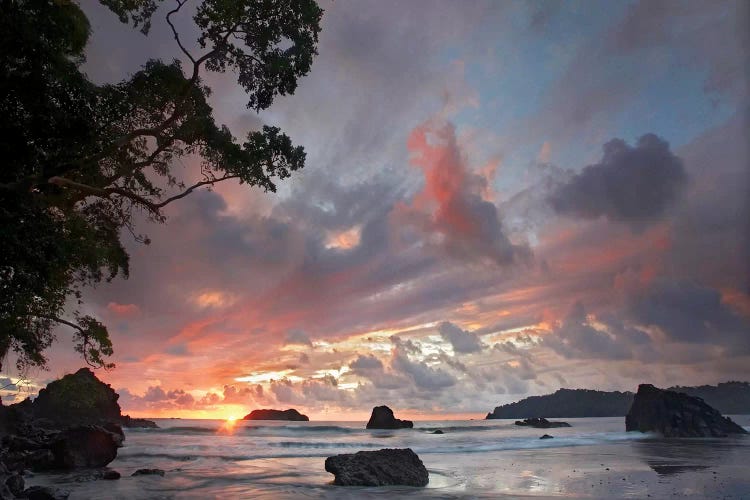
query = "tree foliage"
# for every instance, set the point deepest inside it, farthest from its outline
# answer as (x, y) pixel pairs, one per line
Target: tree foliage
(80, 159)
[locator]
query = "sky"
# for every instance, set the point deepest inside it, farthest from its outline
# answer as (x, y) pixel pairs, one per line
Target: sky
(500, 199)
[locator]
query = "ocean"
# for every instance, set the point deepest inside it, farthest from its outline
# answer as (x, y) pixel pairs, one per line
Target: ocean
(594, 458)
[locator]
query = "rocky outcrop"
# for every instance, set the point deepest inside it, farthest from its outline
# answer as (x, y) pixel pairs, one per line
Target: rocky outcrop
(731, 398)
(81, 398)
(547, 436)
(291, 415)
(378, 468)
(568, 403)
(73, 422)
(382, 418)
(675, 414)
(540, 423)
(74, 447)
(133, 423)
(78, 398)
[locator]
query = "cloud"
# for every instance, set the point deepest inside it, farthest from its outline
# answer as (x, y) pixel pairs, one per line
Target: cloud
(365, 364)
(686, 312)
(578, 336)
(424, 376)
(297, 337)
(630, 184)
(462, 341)
(450, 206)
(123, 309)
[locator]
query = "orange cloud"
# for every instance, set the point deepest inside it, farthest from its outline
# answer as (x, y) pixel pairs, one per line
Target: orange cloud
(124, 310)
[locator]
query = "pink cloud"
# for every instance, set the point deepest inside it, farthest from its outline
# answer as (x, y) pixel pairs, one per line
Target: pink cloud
(123, 310)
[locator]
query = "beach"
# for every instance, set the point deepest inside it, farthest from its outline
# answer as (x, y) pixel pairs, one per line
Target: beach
(594, 458)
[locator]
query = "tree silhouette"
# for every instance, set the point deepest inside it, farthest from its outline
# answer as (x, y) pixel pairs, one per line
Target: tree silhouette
(80, 159)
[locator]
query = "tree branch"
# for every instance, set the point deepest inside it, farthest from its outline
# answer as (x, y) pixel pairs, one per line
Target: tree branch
(150, 205)
(103, 192)
(192, 188)
(180, 3)
(83, 332)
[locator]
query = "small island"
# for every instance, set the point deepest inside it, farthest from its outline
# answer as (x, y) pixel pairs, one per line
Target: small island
(291, 415)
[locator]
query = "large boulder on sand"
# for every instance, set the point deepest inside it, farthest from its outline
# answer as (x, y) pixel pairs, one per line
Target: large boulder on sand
(382, 418)
(675, 414)
(540, 423)
(85, 446)
(378, 468)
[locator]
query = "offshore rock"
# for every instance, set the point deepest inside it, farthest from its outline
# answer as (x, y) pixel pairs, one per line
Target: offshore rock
(540, 423)
(378, 468)
(148, 472)
(382, 418)
(675, 414)
(290, 415)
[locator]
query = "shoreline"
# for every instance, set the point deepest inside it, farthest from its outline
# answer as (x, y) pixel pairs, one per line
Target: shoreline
(629, 468)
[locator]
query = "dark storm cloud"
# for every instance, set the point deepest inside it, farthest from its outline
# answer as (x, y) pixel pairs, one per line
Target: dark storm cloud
(691, 313)
(634, 184)
(462, 341)
(712, 228)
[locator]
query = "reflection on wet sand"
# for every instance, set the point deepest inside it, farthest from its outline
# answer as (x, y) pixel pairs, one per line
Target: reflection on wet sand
(675, 456)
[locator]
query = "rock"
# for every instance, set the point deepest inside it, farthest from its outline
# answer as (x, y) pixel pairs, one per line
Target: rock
(133, 423)
(117, 433)
(76, 399)
(110, 474)
(382, 418)
(37, 460)
(5, 493)
(88, 475)
(378, 468)
(15, 484)
(85, 446)
(148, 472)
(540, 423)
(675, 414)
(45, 493)
(79, 398)
(438, 431)
(547, 436)
(21, 443)
(291, 415)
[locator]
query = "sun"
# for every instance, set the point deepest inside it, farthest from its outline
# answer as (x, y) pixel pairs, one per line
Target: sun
(231, 418)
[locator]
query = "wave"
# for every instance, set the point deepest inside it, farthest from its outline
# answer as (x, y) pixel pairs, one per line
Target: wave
(527, 443)
(323, 444)
(251, 429)
(299, 449)
(466, 428)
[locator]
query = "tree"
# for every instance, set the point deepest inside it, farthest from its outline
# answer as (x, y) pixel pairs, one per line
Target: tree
(81, 160)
